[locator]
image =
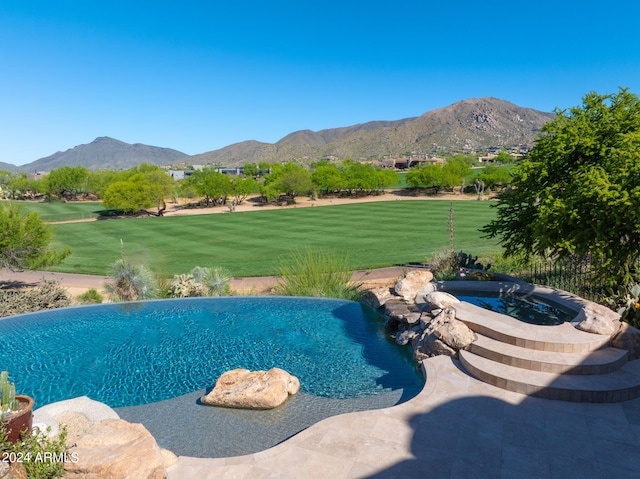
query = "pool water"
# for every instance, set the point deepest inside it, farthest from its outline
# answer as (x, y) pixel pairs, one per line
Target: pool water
(528, 309)
(138, 353)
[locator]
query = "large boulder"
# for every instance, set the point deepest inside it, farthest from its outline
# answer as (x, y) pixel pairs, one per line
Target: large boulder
(77, 414)
(628, 338)
(599, 320)
(241, 388)
(428, 345)
(412, 283)
(376, 298)
(405, 336)
(440, 299)
(117, 449)
(455, 334)
(402, 312)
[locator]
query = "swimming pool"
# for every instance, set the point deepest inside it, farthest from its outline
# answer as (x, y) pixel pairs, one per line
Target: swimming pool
(129, 354)
(529, 309)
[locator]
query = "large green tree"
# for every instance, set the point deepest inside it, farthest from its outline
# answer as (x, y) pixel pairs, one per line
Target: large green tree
(578, 190)
(147, 186)
(25, 240)
(214, 186)
(290, 179)
(67, 181)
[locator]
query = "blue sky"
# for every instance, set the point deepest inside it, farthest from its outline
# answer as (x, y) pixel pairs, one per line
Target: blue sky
(199, 75)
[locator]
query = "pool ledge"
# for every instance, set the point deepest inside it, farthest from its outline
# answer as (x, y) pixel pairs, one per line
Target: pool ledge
(456, 427)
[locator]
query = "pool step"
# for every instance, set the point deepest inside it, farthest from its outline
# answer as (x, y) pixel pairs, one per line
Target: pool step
(601, 361)
(620, 385)
(563, 338)
(553, 362)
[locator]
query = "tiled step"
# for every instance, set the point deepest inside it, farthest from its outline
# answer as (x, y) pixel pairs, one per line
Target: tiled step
(620, 385)
(602, 361)
(563, 338)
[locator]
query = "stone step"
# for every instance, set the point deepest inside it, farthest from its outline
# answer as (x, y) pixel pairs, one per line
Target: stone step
(620, 385)
(563, 338)
(601, 361)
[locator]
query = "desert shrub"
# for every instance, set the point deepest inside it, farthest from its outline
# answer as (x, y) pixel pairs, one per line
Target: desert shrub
(91, 296)
(200, 282)
(444, 265)
(185, 286)
(317, 274)
(42, 456)
(48, 295)
(215, 280)
(131, 282)
(627, 303)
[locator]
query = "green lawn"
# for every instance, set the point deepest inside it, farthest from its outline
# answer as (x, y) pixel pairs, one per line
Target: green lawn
(254, 243)
(59, 211)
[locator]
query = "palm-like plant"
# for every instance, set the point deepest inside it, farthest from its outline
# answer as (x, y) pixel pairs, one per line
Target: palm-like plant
(215, 279)
(131, 282)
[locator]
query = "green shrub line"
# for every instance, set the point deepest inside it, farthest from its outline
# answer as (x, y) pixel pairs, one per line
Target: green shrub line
(371, 235)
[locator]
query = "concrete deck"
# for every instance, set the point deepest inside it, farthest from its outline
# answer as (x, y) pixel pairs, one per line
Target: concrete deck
(457, 427)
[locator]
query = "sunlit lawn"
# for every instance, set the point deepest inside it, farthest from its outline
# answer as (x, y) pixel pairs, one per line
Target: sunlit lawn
(254, 243)
(58, 211)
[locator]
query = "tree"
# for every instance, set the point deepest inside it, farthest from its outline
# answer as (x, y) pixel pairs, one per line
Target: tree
(147, 187)
(25, 240)
(575, 190)
(241, 188)
(98, 181)
(359, 177)
(328, 178)
(456, 171)
(492, 176)
(250, 169)
(67, 182)
(290, 179)
(428, 176)
(213, 185)
(504, 158)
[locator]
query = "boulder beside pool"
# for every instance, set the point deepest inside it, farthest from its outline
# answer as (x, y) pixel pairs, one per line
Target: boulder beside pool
(244, 389)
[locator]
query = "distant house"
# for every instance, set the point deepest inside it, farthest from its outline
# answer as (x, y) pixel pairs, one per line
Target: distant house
(178, 175)
(406, 163)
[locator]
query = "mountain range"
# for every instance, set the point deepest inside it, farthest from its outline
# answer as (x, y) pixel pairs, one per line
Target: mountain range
(474, 125)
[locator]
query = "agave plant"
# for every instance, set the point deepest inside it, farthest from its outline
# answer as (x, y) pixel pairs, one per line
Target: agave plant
(131, 282)
(215, 280)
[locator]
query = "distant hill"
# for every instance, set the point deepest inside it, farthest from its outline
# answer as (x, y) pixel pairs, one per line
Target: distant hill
(8, 167)
(474, 125)
(105, 152)
(467, 126)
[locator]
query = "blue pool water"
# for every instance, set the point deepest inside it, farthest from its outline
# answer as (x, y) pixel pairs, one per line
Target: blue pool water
(528, 309)
(138, 353)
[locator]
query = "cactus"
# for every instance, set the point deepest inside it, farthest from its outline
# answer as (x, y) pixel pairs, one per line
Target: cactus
(8, 402)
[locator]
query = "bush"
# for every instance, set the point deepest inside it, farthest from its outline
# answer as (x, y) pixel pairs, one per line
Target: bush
(215, 280)
(200, 282)
(42, 456)
(314, 273)
(90, 296)
(627, 304)
(48, 295)
(131, 282)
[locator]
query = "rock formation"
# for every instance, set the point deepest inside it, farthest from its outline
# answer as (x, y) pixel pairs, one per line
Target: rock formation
(118, 449)
(241, 388)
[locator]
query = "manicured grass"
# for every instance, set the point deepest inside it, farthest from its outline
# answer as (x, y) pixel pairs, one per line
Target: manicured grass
(58, 211)
(254, 243)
